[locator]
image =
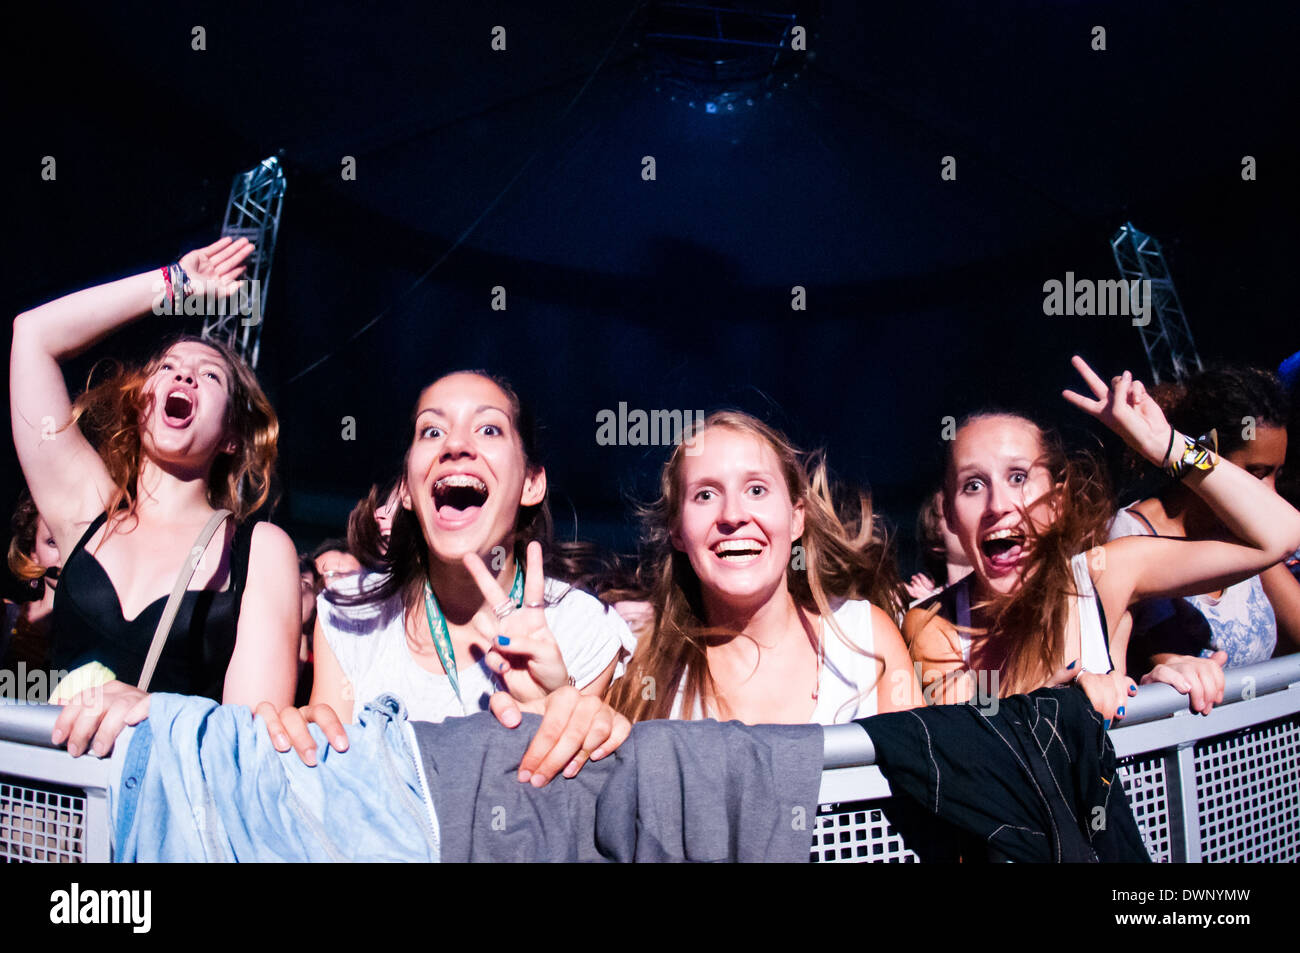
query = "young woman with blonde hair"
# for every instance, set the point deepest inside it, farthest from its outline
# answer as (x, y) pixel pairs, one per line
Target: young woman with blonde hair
(768, 606)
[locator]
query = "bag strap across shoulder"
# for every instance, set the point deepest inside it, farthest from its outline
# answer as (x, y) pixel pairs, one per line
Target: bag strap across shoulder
(178, 591)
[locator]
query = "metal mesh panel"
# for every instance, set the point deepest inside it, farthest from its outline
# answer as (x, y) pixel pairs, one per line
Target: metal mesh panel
(1148, 796)
(41, 824)
(858, 833)
(1248, 793)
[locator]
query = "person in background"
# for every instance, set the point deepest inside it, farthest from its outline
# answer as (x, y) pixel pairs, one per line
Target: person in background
(334, 563)
(33, 559)
(370, 523)
(311, 584)
(944, 560)
(1249, 621)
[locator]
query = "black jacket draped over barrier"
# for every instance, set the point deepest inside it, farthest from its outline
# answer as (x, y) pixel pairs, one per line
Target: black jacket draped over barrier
(1034, 778)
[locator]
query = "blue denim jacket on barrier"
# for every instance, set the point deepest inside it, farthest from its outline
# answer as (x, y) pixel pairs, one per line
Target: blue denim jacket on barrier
(240, 799)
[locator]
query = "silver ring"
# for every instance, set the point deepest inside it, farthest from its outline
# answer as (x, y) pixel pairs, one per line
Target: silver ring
(534, 605)
(504, 609)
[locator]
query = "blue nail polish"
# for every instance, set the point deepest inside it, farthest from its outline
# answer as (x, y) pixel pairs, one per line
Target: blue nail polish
(1106, 725)
(1120, 713)
(1072, 664)
(503, 640)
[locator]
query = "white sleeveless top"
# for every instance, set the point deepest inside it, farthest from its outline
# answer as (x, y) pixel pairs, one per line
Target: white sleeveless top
(847, 686)
(1094, 641)
(370, 643)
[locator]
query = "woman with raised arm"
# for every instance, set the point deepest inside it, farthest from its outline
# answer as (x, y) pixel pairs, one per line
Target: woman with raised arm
(768, 608)
(1049, 596)
(186, 435)
(462, 616)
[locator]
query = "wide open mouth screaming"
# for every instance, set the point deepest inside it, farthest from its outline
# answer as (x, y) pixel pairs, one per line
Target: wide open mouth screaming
(178, 407)
(1003, 548)
(458, 495)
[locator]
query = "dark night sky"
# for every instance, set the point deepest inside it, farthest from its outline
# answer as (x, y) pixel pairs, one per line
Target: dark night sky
(924, 296)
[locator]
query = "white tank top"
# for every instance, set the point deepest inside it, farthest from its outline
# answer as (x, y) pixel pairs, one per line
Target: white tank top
(847, 684)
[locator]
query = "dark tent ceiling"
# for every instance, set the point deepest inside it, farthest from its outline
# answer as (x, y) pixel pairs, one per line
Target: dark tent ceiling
(523, 169)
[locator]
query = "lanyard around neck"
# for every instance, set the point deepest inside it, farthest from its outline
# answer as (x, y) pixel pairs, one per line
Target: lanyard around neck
(441, 637)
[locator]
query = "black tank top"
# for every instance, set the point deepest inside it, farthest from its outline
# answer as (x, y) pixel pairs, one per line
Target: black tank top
(87, 624)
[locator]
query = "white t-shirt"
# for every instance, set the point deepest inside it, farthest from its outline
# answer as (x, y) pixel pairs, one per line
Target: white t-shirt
(369, 642)
(848, 682)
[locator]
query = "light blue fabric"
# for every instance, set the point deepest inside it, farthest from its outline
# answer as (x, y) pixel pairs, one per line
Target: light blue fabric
(241, 800)
(1243, 623)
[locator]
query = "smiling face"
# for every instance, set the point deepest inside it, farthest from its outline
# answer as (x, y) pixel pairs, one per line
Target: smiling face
(187, 398)
(996, 477)
(466, 473)
(737, 522)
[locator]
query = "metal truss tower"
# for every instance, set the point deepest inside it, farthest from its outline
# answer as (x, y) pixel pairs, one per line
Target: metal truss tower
(1166, 337)
(252, 212)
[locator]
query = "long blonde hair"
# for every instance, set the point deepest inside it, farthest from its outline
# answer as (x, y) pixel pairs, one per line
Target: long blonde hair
(1030, 622)
(842, 557)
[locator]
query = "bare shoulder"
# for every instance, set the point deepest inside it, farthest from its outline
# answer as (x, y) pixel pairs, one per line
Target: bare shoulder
(882, 622)
(931, 638)
(271, 547)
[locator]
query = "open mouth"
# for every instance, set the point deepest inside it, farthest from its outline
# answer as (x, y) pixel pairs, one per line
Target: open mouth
(178, 408)
(458, 496)
(1003, 548)
(738, 551)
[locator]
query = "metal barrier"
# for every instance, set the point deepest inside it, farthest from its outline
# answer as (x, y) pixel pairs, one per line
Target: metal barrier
(1221, 787)
(53, 808)
(1216, 788)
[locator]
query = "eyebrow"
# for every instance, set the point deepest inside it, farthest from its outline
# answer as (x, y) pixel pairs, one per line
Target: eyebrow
(438, 412)
(746, 477)
(214, 361)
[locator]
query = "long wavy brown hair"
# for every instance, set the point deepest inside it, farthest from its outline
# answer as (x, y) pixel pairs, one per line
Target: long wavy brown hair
(845, 556)
(110, 411)
(1030, 622)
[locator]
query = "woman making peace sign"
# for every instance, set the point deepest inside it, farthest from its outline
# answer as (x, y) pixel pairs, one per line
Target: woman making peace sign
(1049, 596)
(439, 628)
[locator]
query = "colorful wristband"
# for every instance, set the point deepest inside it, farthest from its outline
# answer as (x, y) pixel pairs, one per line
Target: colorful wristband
(1189, 454)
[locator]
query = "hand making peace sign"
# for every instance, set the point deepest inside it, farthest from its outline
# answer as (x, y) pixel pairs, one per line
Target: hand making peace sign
(1127, 409)
(518, 643)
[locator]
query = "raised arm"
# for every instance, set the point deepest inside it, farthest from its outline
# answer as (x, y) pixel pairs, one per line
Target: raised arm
(1266, 527)
(68, 481)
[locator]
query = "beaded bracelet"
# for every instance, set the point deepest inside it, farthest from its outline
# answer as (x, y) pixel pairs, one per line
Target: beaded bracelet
(178, 288)
(167, 289)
